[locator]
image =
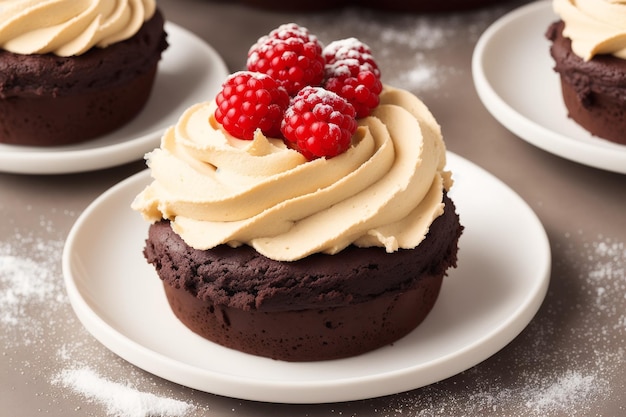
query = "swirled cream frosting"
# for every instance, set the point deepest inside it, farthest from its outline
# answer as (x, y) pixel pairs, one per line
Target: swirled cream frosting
(594, 26)
(384, 191)
(69, 27)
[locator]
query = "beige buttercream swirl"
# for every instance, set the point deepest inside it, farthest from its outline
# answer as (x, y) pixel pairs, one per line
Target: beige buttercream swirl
(69, 27)
(384, 191)
(594, 26)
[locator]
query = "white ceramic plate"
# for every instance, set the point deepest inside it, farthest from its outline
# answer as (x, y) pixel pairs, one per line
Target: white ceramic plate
(189, 72)
(514, 77)
(502, 278)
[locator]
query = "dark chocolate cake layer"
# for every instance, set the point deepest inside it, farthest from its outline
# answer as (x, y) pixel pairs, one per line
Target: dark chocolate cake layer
(318, 308)
(242, 278)
(311, 334)
(594, 91)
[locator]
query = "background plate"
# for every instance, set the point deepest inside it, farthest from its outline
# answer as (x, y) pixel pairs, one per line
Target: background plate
(502, 278)
(189, 72)
(514, 77)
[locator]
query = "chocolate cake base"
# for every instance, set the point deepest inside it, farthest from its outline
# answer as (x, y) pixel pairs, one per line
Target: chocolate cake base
(310, 334)
(318, 308)
(46, 100)
(67, 119)
(594, 91)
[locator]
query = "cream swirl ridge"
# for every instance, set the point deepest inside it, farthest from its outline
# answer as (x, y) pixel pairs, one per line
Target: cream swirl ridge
(594, 26)
(69, 27)
(384, 191)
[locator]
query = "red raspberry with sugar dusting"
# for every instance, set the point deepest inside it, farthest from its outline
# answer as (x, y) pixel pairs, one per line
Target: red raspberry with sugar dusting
(351, 48)
(291, 56)
(319, 123)
(356, 83)
(352, 73)
(249, 101)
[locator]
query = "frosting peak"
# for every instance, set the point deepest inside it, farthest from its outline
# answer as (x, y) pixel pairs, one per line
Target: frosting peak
(69, 27)
(384, 191)
(594, 26)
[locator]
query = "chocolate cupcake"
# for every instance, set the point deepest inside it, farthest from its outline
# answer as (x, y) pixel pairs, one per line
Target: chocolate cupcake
(319, 307)
(592, 68)
(56, 96)
(299, 245)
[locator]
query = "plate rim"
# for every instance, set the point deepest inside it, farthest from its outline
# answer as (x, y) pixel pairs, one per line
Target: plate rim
(55, 160)
(601, 156)
(294, 391)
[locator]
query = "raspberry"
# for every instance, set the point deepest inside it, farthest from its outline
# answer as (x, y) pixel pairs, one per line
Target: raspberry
(352, 72)
(249, 101)
(351, 48)
(319, 123)
(355, 82)
(290, 55)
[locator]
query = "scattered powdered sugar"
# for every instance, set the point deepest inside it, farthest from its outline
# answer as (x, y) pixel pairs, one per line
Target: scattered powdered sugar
(31, 282)
(44, 343)
(120, 399)
(86, 369)
(567, 393)
(568, 389)
(425, 75)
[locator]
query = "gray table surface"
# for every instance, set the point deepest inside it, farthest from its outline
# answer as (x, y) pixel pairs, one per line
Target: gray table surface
(570, 360)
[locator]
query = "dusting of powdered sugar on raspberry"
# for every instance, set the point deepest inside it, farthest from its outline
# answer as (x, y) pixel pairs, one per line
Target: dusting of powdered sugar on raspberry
(347, 48)
(340, 68)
